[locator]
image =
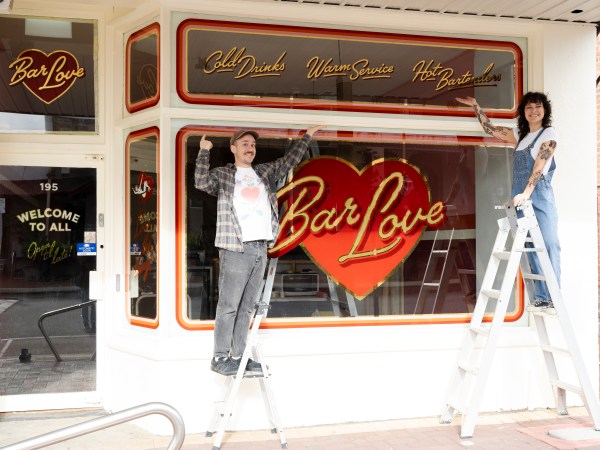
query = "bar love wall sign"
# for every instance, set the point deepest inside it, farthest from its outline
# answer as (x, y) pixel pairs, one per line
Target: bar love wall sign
(47, 76)
(357, 225)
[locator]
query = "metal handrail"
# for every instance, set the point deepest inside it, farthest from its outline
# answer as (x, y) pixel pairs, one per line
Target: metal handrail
(109, 420)
(53, 313)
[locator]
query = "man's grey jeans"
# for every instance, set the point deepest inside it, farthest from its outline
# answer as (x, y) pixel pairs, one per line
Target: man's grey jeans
(240, 276)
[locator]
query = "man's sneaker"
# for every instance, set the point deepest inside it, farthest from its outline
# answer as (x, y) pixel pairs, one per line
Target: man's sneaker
(224, 366)
(253, 367)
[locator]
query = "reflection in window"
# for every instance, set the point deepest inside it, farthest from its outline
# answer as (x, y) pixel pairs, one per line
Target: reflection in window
(142, 222)
(467, 178)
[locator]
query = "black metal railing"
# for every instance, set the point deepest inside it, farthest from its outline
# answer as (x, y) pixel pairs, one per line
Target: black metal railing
(54, 313)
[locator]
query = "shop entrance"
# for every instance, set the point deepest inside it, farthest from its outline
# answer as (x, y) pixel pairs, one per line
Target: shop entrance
(48, 240)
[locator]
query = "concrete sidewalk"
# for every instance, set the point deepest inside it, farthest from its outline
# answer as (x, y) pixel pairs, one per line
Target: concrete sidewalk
(511, 430)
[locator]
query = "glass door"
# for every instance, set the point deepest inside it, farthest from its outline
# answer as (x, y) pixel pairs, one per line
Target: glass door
(48, 240)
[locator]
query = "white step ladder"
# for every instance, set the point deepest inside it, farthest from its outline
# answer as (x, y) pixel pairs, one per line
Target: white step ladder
(468, 383)
(224, 408)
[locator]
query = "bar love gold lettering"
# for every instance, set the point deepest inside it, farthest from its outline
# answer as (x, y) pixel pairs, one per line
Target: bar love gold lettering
(357, 225)
(47, 76)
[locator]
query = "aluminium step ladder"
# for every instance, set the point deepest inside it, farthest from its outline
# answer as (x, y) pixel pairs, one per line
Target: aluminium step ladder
(224, 408)
(468, 383)
(444, 257)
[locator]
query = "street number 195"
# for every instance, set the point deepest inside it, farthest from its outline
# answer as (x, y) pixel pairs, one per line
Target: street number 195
(49, 186)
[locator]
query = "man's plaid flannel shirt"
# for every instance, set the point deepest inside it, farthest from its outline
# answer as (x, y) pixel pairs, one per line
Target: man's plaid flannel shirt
(220, 182)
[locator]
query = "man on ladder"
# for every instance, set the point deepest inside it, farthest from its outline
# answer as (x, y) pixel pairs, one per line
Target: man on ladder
(247, 223)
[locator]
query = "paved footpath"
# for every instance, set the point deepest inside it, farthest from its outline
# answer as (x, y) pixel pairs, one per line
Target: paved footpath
(511, 430)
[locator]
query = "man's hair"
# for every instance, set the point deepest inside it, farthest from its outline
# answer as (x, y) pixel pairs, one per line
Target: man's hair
(533, 97)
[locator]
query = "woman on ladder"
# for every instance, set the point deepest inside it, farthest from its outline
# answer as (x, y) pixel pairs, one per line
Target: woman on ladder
(535, 142)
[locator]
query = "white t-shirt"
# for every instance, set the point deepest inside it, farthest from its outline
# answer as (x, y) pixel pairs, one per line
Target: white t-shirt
(549, 134)
(252, 207)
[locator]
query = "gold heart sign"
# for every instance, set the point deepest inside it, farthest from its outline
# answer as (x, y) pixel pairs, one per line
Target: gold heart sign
(357, 225)
(47, 76)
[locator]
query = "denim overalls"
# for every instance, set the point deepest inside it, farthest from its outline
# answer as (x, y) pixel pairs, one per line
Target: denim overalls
(542, 199)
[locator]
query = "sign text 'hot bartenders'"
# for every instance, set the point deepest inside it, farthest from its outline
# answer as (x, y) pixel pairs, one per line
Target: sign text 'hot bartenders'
(310, 68)
(358, 226)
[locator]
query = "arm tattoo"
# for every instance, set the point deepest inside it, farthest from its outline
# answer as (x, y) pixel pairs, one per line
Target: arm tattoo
(547, 149)
(544, 153)
(486, 124)
(534, 178)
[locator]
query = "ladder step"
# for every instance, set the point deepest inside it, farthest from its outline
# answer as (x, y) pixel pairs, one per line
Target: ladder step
(554, 349)
(567, 386)
(439, 252)
(431, 284)
(467, 271)
(533, 276)
(491, 293)
(502, 254)
(468, 368)
(530, 249)
(481, 331)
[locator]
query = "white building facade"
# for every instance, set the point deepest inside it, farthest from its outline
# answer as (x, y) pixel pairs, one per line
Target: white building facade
(164, 74)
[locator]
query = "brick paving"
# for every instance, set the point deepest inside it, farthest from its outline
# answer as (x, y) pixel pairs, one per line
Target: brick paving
(510, 430)
(42, 376)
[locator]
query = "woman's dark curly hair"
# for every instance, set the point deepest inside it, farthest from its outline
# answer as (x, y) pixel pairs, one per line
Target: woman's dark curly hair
(533, 97)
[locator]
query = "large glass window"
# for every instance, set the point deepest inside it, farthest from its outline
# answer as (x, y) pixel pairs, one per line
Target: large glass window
(47, 70)
(462, 174)
(142, 182)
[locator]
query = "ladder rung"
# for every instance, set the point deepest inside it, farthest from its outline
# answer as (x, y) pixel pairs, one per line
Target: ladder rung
(438, 252)
(529, 249)
(567, 386)
(467, 271)
(431, 284)
(534, 276)
(491, 293)
(480, 330)
(468, 368)
(502, 254)
(553, 349)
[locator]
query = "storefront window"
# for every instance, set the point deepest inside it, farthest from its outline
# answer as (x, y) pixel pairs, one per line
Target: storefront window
(374, 231)
(267, 65)
(142, 78)
(142, 181)
(47, 69)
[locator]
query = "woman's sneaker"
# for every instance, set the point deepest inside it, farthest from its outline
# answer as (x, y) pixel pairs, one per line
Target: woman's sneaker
(541, 305)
